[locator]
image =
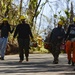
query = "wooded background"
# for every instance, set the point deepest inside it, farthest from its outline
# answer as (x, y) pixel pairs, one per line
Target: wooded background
(32, 9)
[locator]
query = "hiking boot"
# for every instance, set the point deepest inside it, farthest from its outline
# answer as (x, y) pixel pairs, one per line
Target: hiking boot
(20, 61)
(72, 63)
(55, 62)
(69, 61)
(74, 69)
(26, 58)
(2, 58)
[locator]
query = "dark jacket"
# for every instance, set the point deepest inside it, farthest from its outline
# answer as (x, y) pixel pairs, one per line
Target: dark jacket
(57, 32)
(5, 29)
(70, 32)
(23, 31)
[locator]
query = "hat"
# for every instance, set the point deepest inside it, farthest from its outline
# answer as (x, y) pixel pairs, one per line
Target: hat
(5, 19)
(60, 22)
(22, 17)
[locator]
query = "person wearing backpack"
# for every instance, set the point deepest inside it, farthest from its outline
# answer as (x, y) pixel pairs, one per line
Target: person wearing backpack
(4, 33)
(56, 38)
(70, 43)
(24, 34)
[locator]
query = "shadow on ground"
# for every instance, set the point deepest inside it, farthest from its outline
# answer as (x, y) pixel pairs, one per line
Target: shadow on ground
(34, 67)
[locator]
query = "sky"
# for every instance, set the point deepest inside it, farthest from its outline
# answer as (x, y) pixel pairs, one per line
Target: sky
(51, 8)
(56, 6)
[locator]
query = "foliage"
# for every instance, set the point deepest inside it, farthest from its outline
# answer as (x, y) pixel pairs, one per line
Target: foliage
(9, 10)
(55, 16)
(32, 10)
(67, 13)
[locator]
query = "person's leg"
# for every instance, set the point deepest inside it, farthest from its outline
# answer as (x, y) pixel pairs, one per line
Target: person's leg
(3, 48)
(53, 51)
(73, 57)
(68, 51)
(27, 54)
(21, 55)
(21, 52)
(57, 52)
(0, 46)
(26, 48)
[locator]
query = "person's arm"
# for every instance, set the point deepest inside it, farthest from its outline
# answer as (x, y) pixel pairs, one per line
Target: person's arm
(16, 32)
(30, 32)
(63, 36)
(67, 33)
(51, 35)
(11, 31)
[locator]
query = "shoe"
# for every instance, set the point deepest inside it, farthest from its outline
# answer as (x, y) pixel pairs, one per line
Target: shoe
(20, 61)
(2, 58)
(69, 61)
(26, 58)
(55, 62)
(74, 69)
(72, 63)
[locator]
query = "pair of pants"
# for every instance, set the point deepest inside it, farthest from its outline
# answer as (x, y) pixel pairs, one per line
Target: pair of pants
(70, 50)
(55, 50)
(3, 45)
(23, 48)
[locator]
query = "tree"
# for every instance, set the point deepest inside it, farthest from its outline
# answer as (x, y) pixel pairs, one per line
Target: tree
(20, 9)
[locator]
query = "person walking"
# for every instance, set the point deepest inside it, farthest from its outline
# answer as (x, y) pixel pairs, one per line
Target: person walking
(56, 38)
(70, 43)
(24, 33)
(4, 33)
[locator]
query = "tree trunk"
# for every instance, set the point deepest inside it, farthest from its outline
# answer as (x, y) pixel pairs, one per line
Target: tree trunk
(20, 10)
